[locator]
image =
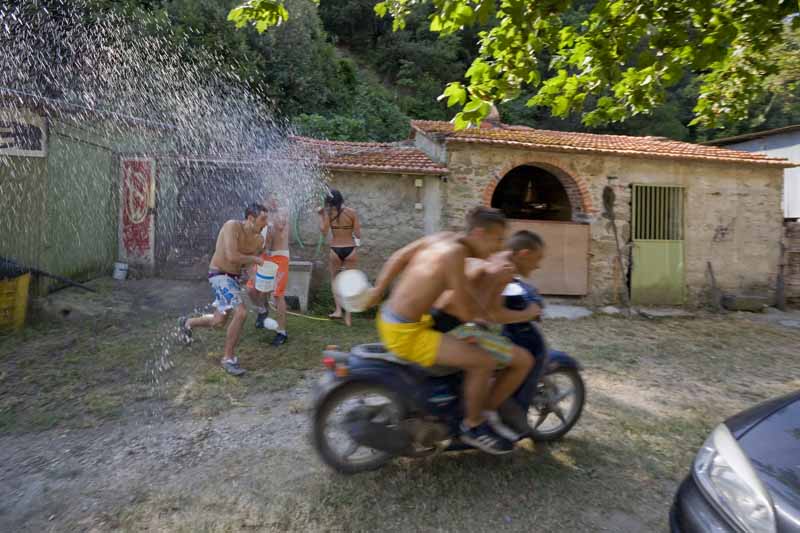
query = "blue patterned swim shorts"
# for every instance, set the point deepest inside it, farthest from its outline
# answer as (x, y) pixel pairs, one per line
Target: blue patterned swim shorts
(227, 292)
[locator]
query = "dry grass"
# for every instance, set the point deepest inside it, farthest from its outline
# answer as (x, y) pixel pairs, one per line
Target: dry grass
(655, 390)
(269, 369)
(71, 375)
(81, 373)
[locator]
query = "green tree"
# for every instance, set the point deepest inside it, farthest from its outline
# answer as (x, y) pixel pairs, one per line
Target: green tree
(294, 67)
(335, 128)
(779, 103)
(414, 62)
(370, 115)
(353, 23)
(617, 61)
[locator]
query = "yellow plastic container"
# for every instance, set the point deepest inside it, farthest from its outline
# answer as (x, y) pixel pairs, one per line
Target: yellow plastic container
(14, 302)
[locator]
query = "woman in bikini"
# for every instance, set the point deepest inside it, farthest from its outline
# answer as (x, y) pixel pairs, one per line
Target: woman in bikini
(345, 230)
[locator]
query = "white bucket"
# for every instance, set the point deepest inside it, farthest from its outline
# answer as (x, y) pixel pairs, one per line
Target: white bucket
(352, 287)
(265, 276)
(120, 271)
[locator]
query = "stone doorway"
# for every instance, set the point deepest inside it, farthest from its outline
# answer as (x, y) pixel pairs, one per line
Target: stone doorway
(532, 193)
(536, 199)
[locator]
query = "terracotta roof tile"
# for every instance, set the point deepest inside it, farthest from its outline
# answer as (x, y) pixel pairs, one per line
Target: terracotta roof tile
(567, 141)
(373, 157)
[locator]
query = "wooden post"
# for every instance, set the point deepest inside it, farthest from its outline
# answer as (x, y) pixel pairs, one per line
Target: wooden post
(609, 197)
(716, 294)
(780, 282)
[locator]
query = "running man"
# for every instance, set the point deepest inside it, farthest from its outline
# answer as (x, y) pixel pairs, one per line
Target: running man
(424, 270)
(238, 246)
(277, 243)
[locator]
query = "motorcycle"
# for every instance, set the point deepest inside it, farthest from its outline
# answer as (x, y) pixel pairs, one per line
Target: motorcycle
(370, 406)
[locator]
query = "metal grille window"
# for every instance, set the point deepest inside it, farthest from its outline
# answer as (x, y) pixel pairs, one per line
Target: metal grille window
(657, 213)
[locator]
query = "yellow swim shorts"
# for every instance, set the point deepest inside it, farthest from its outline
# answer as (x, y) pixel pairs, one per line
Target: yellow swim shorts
(417, 342)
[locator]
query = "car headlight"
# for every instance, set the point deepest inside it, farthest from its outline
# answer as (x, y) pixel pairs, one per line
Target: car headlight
(727, 478)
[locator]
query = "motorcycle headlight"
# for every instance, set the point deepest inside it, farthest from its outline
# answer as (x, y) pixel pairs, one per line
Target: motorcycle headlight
(728, 480)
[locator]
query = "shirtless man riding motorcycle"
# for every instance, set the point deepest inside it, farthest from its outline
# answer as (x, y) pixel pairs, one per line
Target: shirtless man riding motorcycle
(424, 270)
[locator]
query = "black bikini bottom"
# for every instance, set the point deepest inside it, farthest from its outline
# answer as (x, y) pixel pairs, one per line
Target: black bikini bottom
(343, 251)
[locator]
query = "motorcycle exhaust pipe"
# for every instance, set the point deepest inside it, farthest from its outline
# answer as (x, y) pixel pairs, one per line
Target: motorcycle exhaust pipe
(379, 436)
(360, 426)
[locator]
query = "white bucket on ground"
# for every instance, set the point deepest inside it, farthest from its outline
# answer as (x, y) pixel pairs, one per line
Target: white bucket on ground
(120, 271)
(265, 276)
(352, 287)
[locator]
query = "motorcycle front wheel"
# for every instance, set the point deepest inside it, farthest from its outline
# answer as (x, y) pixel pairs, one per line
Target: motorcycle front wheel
(331, 438)
(557, 405)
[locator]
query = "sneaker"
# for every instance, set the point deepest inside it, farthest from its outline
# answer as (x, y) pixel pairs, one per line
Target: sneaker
(280, 339)
(483, 438)
(232, 367)
(260, 320)
(500, 428)
(515, 417)
(184, 333)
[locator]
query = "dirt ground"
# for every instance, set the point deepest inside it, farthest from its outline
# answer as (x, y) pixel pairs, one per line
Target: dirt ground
(107, 425)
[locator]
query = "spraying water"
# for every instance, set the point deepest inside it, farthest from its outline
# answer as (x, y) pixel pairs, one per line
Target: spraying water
(79, 91)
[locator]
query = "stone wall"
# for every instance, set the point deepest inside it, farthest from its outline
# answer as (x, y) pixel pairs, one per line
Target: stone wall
(791, 269)
(389, 219)
(733, 211)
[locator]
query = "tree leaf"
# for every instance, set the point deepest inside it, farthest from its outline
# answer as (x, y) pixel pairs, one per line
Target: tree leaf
(474, 105)
(632, 50)
(459, 123)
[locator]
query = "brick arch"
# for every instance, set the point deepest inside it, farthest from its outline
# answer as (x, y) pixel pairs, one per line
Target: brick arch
(576, 188)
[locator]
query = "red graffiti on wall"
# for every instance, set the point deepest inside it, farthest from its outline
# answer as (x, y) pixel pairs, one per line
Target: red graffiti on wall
(137, 190)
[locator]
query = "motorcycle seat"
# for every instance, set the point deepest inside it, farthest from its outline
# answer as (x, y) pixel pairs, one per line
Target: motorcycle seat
(378, 351)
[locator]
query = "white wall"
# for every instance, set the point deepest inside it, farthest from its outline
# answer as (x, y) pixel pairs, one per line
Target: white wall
(780, 145)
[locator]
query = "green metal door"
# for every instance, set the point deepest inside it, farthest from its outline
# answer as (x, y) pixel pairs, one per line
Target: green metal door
(657, 270)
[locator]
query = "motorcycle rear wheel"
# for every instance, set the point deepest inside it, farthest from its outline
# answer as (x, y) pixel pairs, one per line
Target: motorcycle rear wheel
(346, 461)
(550, 405)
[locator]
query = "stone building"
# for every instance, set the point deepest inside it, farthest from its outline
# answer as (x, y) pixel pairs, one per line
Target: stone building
(678, 208)
(780, 142)
(395, 188)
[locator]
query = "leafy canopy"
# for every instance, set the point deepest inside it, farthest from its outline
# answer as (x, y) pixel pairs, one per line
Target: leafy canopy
(615, 61)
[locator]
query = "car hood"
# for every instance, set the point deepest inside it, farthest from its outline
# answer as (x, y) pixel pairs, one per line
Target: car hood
(773, 447)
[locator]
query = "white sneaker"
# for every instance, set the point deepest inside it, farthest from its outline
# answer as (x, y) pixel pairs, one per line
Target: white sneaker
(501, 429)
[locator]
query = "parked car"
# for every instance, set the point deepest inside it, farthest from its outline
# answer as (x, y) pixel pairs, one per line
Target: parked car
(746, 477)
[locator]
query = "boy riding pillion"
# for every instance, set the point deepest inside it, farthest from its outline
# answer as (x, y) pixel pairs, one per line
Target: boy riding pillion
(424, 270)
(522, 310)
(489, 277)
(524, 252)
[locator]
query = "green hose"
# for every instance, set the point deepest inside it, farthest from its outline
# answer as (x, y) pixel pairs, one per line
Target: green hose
(319, 244)
(321, 236)
(296, 228)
